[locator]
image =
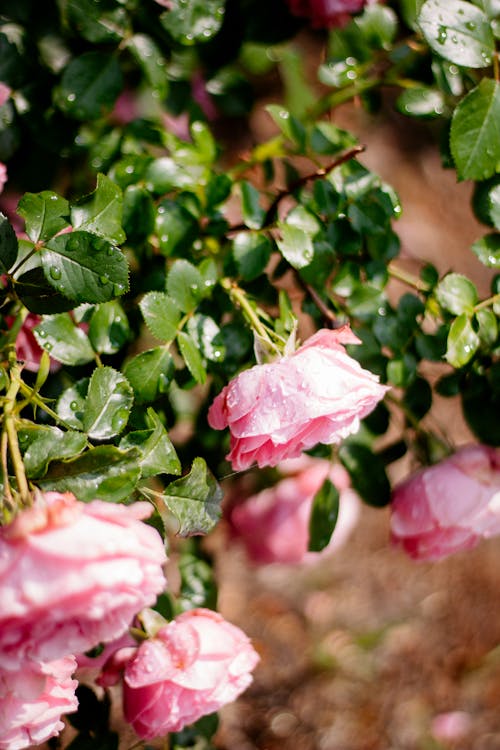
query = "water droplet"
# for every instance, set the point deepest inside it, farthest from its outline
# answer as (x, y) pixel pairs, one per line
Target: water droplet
(163, 383)
(48, 346)
(71, 97)
(104, 279)
(351, 75)
(110, 251)
(471, 25)
(42, 333)
(119, 419)
(53, 197)
(217, 354)
(73, 405)
(118, 289)
(442, 35)
(129, 169)
(55, 273)
(454, 39)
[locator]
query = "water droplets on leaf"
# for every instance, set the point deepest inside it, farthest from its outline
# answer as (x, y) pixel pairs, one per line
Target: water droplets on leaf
(55, 273)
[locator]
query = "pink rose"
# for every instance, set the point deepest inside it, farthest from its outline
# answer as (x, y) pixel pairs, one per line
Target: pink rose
(316, 395)
(274, 524)
(193, 666)
(73, 575)
(28, 350)
(449, 506)
(327, 13)
(451, 727)
(3, 176)
(32, 701)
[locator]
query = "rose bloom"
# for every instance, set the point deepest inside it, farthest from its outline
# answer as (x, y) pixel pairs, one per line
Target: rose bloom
(193, 666)
(274, 524)
(327, 13)
(32, 701)
(449, 506)
(316, 395)
(73, 575)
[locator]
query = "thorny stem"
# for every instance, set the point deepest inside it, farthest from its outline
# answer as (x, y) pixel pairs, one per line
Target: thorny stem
(34, 398)
(9, 429)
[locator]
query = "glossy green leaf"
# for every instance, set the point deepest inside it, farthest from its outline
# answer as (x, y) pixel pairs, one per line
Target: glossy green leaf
(193, 501)
(421, 101)
(475, 132)
(108, 403)
(105, 472)
(480, 400)
(48, 444)
(158, 455)
(71, 403)
(185, 285)
(150, 373)
(367, 472)
(8, 244)
(458, 31)
(90, 85)
(323, 518)
(45, 214)
(295, 245)
(251, 251)
(161, 315)
(487, 327)
(287, 123)
(97, 21)
(486, 201)
(190, 21)
(456, 294)
(64, 340)
(191, 355)
(253, 213)
(84, 267)
(205, 333)
(138, 214)
(100, 212)
(149, 57)
(198, 586)
(463, 341)
(487, 250)
(109, 329)
(378, 25)
(176, 227)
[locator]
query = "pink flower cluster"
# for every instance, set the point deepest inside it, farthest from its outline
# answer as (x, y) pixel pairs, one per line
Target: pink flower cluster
(72, 575)
(191, 667)
(327, 13)
(316, 395)
(450, 506)
(273, 525)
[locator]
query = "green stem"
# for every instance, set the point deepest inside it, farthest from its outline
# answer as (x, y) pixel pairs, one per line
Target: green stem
(336, 98)
(9, 427)
(487, 302)
(407, 278)
(239, 297)
(33, 398)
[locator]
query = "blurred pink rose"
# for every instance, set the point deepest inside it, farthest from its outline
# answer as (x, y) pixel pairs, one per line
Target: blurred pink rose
(316, 395)
(451, 727)
(3, 176)
(32, 701)
(28, 350)
(327, 13)
(73, 575)
(5, 92)
(193, 666)
(274, 524)
(449, 506)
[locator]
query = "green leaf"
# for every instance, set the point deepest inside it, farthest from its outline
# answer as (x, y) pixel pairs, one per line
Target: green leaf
(251, 252)
(458, 31)
(324, 514)
(486, 201)
(8, 244)
(421, 101)
(96, 20)
(295, 245)
(487, 250)
(158, 455)
(45, 214)
(487, 327)
(84, 267)
(253, 213)
(161, 315)
(378, 26)
(90, 85)
(150, 373)
(194, 501)
(109, 329)
(48, 444)
(192, 357)
(176, 228)
(185, 285)
(71, 404)
(457, 294)
(480, 401)
(418, 397)
(149, 57)
(108, 403)
(475, 132)
(205, 332)
(198, 586)
(367, 472)
(104, 472)
(138, 214)
(463, 341)
(100, 212)
(64, 340)
(190, 21)
(287, 123)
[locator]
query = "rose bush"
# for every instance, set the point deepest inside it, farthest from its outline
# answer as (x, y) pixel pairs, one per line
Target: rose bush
(193, 666)
(327, 13)
(32, 701)
(316, 395)
(73, 575)
(450, 506)
(273, 525)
